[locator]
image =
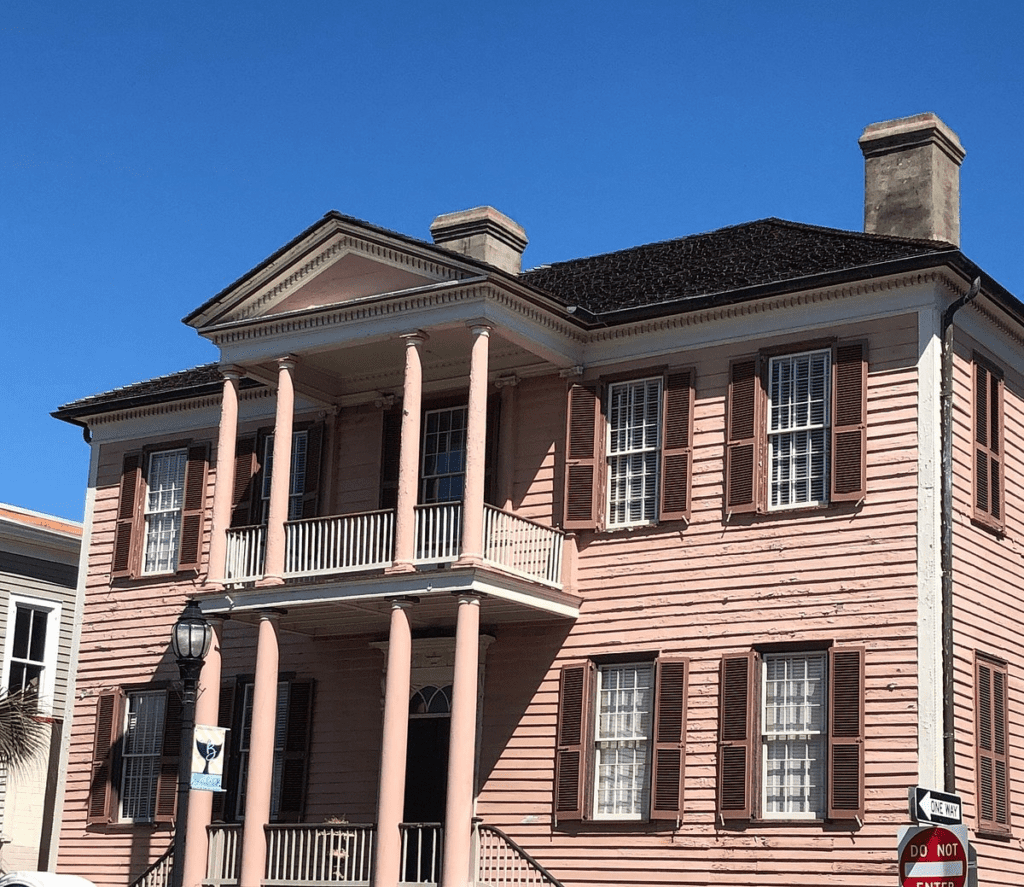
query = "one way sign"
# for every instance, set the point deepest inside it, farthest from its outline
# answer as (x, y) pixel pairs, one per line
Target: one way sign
(927, 805)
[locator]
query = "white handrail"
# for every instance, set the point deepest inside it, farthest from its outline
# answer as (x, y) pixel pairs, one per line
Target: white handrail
(522, 546)
(246, 548)
(339, 544)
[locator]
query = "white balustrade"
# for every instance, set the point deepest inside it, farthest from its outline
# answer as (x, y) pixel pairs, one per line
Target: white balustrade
(339, 544)
(422, 844)
(501, 862)
(246, 547)
(438, 532)
(523, 547)
(222, 859)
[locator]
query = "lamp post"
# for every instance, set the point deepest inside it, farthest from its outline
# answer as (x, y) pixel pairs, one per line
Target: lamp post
(190, 640)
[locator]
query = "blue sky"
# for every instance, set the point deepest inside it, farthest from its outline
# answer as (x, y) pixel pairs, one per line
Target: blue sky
(150, 154)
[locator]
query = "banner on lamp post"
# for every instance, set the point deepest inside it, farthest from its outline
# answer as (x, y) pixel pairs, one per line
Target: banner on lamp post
(208, 758)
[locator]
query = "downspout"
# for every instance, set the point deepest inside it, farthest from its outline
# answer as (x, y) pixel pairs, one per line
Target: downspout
(946, 530)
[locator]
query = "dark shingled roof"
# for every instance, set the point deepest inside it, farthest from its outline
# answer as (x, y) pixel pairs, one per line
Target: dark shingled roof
(196, 382)
(738, 257)
(727, 264)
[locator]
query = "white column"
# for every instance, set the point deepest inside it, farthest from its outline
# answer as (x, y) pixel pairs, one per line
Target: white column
(458, 823)
(476, 450)
(409, 458)
(280, 481)
(391, 795)
(260, 779)
(200, 804)
(225, 482)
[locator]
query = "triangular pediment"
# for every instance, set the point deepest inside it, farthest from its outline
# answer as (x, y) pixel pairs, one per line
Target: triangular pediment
(332, 264)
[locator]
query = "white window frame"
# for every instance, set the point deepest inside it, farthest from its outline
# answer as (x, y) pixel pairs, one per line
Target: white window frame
(296, 478)
(632, 778)
(633, 448)
(797, 798)
(51, 645)
(799, 429)
(137, 795)
(162, 513)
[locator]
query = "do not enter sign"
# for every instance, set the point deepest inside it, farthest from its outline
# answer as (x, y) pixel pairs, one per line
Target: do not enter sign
(933, 857)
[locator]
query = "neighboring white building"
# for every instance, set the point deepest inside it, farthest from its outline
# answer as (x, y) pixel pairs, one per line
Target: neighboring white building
(39, 631)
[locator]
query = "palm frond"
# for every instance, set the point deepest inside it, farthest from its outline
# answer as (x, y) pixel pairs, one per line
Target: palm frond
(23, 736)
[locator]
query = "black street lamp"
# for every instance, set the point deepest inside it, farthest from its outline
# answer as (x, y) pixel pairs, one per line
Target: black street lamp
(190, 641)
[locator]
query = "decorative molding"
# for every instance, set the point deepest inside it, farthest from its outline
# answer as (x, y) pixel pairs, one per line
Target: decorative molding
(251, 305)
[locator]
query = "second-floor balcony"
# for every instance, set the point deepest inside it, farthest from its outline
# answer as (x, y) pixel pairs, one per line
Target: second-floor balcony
(352, 543)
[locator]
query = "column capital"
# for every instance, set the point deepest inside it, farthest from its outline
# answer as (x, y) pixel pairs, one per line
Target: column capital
(403, 603)
(232, 371)
(479, 327)
(509, 380)
(287, 361)
(414, 337)
(469, 597)
(271, 615)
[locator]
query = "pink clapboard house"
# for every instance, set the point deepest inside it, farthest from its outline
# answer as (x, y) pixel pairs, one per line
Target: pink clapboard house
(632, 569)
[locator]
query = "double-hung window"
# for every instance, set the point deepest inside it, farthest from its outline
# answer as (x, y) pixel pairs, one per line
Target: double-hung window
(142, 743)
(443, 466)
(798, 426)
(628, 452)
(160, 511)
(165, 495)
(634, 444)
(791, 735)
(620, 740)
(297, 478)
(30, 651)
(796, 429)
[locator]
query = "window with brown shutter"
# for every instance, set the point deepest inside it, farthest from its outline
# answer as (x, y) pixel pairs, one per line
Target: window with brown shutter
(796, 429)
(161, 511)
(621, 734)
(791, 735)
(992, 745)
(989, 486)
(628, 455)
(136, 749)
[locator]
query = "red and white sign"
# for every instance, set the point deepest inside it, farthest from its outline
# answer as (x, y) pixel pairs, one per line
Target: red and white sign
(933, 856)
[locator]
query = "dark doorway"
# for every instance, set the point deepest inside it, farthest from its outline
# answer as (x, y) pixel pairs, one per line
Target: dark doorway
(426, 782)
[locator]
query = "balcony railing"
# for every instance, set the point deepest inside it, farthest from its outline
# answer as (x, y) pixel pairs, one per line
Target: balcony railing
(350, 542)
(326, 546)
(501, 862)
(323, 855)
(522, 546)
(422, 844)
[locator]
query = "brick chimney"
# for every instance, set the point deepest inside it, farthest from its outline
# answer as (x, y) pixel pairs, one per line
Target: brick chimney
(482, 233)
(912, 178)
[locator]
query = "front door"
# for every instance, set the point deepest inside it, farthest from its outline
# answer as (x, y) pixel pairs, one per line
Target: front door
(426, 783)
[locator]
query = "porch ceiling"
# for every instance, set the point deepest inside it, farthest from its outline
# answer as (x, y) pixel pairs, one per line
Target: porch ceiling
(361, 606)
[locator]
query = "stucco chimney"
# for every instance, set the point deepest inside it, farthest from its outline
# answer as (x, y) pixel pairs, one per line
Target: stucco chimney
(482, 233)
(912, 178)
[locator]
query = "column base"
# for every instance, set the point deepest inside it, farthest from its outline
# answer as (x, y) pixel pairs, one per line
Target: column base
(400, 567)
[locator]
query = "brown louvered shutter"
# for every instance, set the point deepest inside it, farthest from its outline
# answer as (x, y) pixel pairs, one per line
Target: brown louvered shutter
(849, 423)
(582, 459)
(102, 793)
(242, 493)
(743, 430)
(170, 754)
(846, 733)
(390, 456)
(314, 459)
(295, 763)
(677, 446)
(737, 736)
(193, 508)
(988, 444)
(225, 713)
(126, 536)
(669, 739)
(575, 698)
(993, 800)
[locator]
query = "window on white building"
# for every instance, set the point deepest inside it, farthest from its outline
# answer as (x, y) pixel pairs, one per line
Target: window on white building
(30, 651)
(634, 429)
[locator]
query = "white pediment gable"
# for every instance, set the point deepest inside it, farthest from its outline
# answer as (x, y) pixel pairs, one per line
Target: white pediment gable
(342, 268)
